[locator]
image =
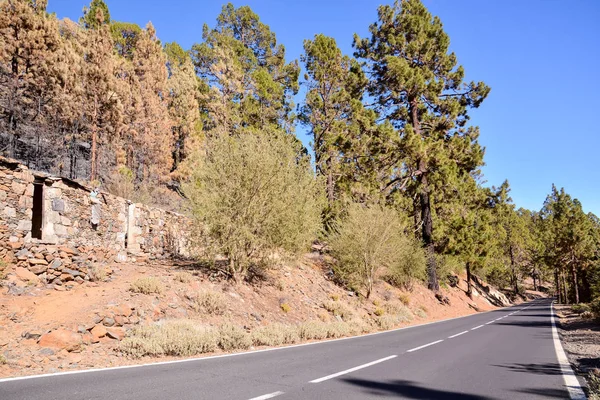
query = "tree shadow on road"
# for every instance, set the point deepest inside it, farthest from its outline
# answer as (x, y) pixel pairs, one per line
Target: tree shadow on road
(410, 390)
(527, 324)
(540, 369)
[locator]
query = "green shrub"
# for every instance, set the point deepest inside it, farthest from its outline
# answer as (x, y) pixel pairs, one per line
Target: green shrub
(169, 338)
(410, 266)
(146, 285)
(366, 239)
(232, 337)
(210, 302)
(595, 307)
(254, 194)
(580, 308)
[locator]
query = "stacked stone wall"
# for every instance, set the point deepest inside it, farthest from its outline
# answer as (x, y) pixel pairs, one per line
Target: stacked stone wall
(72, 247)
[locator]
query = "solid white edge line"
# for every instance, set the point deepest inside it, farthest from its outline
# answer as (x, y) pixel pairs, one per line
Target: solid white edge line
(85, 371)
(477, 327)
(267, 396)
(352, 369)
(458, 334)
(425, 345)
(491, 322)
(571, 382)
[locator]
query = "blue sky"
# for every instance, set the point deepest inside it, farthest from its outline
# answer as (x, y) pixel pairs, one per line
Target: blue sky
(540, 57)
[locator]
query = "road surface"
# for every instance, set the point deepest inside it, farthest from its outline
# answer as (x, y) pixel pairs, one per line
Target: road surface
(503, 354)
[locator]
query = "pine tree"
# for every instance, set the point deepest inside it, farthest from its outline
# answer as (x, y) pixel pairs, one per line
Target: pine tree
(418, 86)
(247, 86)
(95, 15)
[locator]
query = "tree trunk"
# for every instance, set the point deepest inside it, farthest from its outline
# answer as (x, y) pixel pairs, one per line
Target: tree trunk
(513, 271)
(469, 288)
(557, 285)
(94, 154)
(574, 280)
(565, 288)
(425, 203)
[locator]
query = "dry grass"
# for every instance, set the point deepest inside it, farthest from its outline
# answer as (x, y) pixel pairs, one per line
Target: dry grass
(147, 285)
(387, 322)
(3, 359)
(594, 384)
(232, 337)
(97, 273)
(421, 312)
(404, 298)
(379, 311)
(170, 338)
(210, 302)
(183, 277)
(313, 330)
(275, 335)
(3, 274)
(285, 307)
(339, 309)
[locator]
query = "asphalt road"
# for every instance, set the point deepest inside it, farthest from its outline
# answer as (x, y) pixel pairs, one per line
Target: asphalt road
(504, 354)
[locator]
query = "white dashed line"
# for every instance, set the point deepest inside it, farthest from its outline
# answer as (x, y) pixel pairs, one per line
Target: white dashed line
(477, 327)
(267, 396)
(425, 345)
(491, 322)
(458, 334)
(352, 369)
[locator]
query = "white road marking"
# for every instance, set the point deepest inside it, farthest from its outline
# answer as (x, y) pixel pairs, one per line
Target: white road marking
(498, 319)
(267, 396)
(425, 345)
(571, 382)
(477, 327)
(458, 334)
(352, 369)
(491, 322)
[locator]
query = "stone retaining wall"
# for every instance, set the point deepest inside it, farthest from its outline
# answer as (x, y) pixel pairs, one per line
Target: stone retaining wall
(46, 226)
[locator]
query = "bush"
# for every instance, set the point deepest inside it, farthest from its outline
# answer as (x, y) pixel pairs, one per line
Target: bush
(285, 307)
(3, 359)
(3, 270)
(170, 338)
(210, 302)
(97, 273)
(379, 311)
(146, 285)
(580, 308)
(365, 240)
(232, 337)
(404, 298)
(387, 322)
(594, 384)
(338, 309)
(313, 330)
(595, 307)
(410, 265)
(275, 335)
(253, 195)
(183, 277)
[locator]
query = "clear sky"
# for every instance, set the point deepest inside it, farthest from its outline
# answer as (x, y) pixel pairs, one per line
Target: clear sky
(541, 122)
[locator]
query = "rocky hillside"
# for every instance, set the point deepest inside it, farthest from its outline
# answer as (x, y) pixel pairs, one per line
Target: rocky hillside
(116, 321)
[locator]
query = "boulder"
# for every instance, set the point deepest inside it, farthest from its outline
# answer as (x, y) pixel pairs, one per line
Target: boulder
(38, 261)
(38, 269)
(116, 333)
(26, 275)
(61, 339)
(98, 331)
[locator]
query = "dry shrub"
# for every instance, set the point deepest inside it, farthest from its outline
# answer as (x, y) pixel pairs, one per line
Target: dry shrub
(404, 298)
(169, 338)
(379, 311)
(387, 322)
(285, 307)
(313, 330)
(3, 359)
(210, 302)
(183, 277)
(232, 337)
(594, 384)
(3, 269)
(338, 309)
(97, 273)
(275, 335)
(334, 296)
(146, 285)
(421, 312)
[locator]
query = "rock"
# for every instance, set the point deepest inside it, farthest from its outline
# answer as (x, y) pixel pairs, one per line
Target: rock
(72, 272)
(31, 335)
(123, 310)
(98, 331)
(46, 352)
(108, 321)
(26, 275)
(116, 333)
(69, 250)
(62, 339)
(119, 320)
(57, 262)
(38, 269)
(38, 261)
(66, 277)
(59, 288)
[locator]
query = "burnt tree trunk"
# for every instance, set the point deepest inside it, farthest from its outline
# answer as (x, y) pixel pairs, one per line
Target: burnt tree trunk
(469, 287)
